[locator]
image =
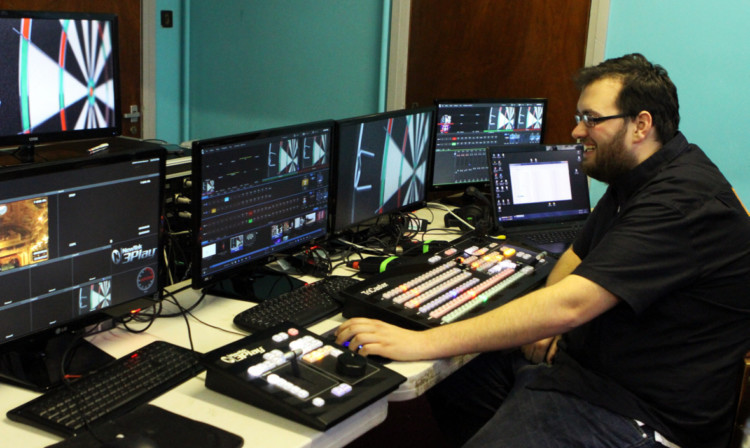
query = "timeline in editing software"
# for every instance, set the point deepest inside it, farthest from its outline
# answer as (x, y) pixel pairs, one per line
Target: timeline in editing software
(473, 126)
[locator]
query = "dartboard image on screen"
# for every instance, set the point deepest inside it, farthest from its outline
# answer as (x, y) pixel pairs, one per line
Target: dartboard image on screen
(58, 75)
(383, 160)
(290, 155)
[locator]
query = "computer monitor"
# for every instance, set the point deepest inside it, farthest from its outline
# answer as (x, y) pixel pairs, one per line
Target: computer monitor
(256, 195)
(381, 165)
(60, 78)
(80, 243)
(466, 127)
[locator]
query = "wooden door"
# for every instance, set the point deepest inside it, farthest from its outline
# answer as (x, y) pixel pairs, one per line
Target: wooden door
(129, 23)
(499, 49)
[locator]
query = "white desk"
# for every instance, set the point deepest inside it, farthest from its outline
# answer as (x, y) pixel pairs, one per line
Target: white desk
(192, 399)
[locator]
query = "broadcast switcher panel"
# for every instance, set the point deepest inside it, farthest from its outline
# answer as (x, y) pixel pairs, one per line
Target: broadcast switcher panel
(472, 276)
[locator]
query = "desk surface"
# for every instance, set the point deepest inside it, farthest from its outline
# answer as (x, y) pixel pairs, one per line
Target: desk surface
(192, 399)
(211, 327)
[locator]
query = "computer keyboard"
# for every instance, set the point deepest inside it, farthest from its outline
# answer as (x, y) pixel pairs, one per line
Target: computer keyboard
(120, 386)
(554, 236)
(302, 306)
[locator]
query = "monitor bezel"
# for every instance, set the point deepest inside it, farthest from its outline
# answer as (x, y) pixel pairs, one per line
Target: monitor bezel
(78, 323)
(198, 281)
(336, 230)
(34, 138)
(484, 186)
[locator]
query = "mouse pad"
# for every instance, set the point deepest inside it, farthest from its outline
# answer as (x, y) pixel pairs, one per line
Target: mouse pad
(150, 426)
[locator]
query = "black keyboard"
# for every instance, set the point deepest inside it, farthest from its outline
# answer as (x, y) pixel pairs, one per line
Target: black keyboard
(111, 391)
(302, 306)
(554, 236)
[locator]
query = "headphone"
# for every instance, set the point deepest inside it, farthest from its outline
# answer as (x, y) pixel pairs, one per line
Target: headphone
(475, 214)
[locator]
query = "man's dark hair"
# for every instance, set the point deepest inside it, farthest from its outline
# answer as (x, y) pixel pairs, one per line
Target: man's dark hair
(645, 86)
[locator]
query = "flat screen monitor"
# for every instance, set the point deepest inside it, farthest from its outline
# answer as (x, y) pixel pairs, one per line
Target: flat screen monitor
(256, 195)
(80, 243)
(59, 78)
(534, 184)
(466, 127)
(382, 165)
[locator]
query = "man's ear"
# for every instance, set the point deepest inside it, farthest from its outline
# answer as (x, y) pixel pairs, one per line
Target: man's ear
(644, 126)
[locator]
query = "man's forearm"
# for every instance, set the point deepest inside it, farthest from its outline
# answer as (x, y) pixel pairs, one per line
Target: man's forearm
(543, 313)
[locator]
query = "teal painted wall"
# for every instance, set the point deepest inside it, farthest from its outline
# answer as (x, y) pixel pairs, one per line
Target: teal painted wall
(234, 66)
(169, 60)
(257, 64)
(704, 47)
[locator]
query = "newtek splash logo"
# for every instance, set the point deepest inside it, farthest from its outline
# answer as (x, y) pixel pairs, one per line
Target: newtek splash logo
(127, 255)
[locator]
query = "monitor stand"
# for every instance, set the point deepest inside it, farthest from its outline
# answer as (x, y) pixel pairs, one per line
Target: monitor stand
(256, 286)
(36, 365)
(25, 153)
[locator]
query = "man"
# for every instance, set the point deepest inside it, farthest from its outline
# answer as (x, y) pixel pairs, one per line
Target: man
(651, 301)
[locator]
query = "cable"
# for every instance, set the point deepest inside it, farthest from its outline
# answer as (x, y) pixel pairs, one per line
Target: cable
(174, 298)
(166, 265)
(439, 205)
(187, 322)
(362, 248)
(214, 326)
(176, 250)
(140, 330)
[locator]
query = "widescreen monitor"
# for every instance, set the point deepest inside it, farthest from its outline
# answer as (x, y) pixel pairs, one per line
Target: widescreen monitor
(80, 242)
(381, 165)
(466, 127)
(59, 78)
(256, 195)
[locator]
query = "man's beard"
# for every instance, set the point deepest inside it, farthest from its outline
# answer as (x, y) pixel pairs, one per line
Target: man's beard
(611, 159)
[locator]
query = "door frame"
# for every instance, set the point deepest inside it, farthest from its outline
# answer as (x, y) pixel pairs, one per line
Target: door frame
(148, 69)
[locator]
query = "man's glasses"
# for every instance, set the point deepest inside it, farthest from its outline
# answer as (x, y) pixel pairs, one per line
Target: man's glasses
(590, 121)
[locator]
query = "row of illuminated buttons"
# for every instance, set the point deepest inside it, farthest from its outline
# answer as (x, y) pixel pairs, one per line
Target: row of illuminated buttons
(293, 389)
(311, 349)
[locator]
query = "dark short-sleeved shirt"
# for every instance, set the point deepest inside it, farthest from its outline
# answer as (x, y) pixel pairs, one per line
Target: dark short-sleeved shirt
(672, 241)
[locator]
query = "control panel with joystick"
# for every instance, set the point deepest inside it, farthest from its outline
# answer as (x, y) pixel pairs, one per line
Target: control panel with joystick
(298, 375)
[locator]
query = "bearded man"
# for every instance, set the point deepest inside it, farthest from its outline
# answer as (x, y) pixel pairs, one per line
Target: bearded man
(638, 337)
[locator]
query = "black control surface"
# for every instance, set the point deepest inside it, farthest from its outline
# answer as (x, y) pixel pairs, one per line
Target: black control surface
(298, 375)
(471, 277)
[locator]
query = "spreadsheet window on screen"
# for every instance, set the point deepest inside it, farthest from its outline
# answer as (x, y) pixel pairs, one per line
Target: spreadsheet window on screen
(540, 182)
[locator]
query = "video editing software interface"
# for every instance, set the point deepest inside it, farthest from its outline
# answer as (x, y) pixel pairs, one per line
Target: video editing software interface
(539, 185)
(465, 128)
(260, 193)
(59, 76)
(382, 167)
(77, 240)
